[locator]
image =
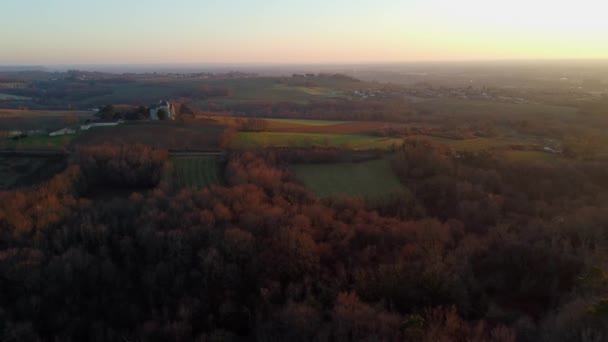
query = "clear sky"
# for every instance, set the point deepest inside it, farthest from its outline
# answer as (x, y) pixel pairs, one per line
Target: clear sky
(298, 31)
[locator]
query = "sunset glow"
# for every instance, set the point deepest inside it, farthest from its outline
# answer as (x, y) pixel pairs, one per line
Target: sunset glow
(238, 31)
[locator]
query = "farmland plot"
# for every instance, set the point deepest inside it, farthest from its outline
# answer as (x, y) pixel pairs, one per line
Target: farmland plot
(196, 172)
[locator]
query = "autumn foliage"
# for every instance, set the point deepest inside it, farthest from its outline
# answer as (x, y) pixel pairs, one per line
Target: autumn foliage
(122, 165)
(263, 259)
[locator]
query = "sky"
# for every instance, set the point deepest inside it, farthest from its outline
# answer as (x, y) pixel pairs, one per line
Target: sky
(49, 32)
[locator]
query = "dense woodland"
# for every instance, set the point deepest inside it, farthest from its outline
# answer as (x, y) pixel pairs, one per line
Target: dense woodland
(476, 250)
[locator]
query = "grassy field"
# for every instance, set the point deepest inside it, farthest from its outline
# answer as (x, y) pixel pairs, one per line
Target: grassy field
(248, 140)
(196, 172)
(37, 142)
(372, 179)
(27, 171)
(307, 122)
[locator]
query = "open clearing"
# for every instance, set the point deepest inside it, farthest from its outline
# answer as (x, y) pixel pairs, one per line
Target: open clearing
(196, 172)
(248, 140)
(371, 179)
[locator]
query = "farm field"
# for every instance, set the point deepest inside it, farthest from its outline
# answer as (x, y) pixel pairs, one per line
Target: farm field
(306, 122)
(159, 135)
(9, 97)
(196, 172)
(247, 140)
(530, 156)
(12, 119)
(26, 171)
(371, 179)
(138, 92)
(472, 145)
(242, 90)
(497, 110)
(37, 142)
(269, 90)
(317, 126)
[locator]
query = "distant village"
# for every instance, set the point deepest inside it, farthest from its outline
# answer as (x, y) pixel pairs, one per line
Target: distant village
(429, 92)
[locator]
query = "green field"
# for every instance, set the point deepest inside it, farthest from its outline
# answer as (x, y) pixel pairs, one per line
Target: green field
(371, 179)
(308, 122)
(9, 97)
(196, 172)
(37, 142)
(301, 140)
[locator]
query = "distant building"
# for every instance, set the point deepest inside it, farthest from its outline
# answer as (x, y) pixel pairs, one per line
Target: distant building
(63, 131)
(100, 124)
(162, 105)
(551, 150)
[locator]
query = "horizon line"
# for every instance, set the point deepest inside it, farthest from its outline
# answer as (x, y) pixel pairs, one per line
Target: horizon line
(328, 63)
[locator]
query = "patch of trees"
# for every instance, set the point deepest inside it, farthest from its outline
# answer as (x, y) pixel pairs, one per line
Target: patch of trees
(129, 166)
(263, 259)
(482, 190)
(111, 113)
(184, 109)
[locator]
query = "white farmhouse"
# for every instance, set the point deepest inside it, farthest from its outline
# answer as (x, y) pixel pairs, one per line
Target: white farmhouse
(162, 105)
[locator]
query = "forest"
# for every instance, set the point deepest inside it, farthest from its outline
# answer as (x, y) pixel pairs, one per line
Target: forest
(476, 249)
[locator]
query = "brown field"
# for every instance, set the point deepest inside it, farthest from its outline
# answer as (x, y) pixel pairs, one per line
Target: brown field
(14, 119)
(5, 113)
(316, 126)
(159, 135)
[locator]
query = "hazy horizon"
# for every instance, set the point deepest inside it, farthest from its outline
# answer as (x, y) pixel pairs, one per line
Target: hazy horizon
(160, 32)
